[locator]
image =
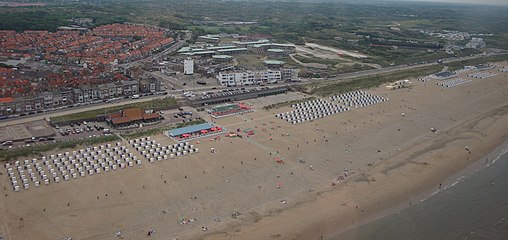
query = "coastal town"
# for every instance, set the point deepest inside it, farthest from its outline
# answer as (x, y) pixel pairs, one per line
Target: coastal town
(126, 130)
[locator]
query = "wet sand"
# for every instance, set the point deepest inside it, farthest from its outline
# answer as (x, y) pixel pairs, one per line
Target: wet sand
(242, 176)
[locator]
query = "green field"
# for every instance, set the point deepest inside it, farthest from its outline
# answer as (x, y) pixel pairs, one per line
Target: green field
(155, 104)
(250, 60)
(38, 150)
(338, 87)
(459, 65)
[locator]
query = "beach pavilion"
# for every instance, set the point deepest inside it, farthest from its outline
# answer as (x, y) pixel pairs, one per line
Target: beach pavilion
(194, 131)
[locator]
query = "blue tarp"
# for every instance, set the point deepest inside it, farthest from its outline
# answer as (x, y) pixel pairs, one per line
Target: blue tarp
(189, 129)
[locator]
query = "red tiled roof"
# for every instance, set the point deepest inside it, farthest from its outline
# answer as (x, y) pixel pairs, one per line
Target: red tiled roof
(115, 115)
(133, 113)
(6, 100)
(150, 116)
(120, 120)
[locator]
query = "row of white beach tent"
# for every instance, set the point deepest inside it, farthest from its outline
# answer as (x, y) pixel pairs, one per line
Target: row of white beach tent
(153, 151)
(310, 110)
(358, 99)
(319, 108)
(362, 102)
(64, 166)
(312, 104)
(329, 106)
(299, 114)
(482, 75)
(345, 97)
(310, 117)
(453, 82)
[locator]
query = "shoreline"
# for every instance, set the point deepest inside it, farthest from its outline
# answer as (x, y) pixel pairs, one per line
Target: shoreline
(395, 154)
(333, 228)
(453, 178)
(449, 182)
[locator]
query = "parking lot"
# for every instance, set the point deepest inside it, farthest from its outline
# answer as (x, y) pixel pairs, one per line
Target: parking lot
(81, 130)
(26, 133)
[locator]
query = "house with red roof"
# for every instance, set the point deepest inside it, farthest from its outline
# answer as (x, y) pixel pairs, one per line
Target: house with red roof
(132, 116)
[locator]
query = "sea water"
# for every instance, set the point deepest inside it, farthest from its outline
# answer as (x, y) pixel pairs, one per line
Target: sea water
(476, 207)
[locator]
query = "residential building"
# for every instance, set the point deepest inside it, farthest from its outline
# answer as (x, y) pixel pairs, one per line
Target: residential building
(150, 85)
(130, 87)
(103, 91)
(290, 74)
(7, 106)
(249, 77)
(476, 43)
(28, 104)
(78, 95)
(188, 67)
(111, 90)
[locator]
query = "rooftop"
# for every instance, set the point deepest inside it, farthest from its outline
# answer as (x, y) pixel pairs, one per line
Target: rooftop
(273, 62)
(189, 129)
(220, 47)
(261, 45)
(210, 37)
(252, 43)
(274, 50)
(232, 50)
(283, 44)
(200, 53)
(222, 57)
(133, 113)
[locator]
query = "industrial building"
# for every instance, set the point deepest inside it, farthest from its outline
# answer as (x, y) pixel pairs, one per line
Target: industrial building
(272, 47)
(256, 47)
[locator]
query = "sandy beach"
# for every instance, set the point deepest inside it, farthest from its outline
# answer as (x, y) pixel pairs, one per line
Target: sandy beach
(392, 157)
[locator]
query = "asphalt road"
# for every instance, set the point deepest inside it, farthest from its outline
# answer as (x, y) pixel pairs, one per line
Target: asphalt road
(40, 116)
(30, 118)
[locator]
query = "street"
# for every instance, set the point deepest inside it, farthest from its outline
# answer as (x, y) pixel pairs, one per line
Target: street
(176, 93)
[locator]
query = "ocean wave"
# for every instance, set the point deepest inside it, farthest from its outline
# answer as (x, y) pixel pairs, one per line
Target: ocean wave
(502, 153)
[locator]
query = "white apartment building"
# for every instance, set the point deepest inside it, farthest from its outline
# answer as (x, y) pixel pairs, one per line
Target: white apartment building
(290, 74)
(476, 43)
(249, 77)
(188, 67)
